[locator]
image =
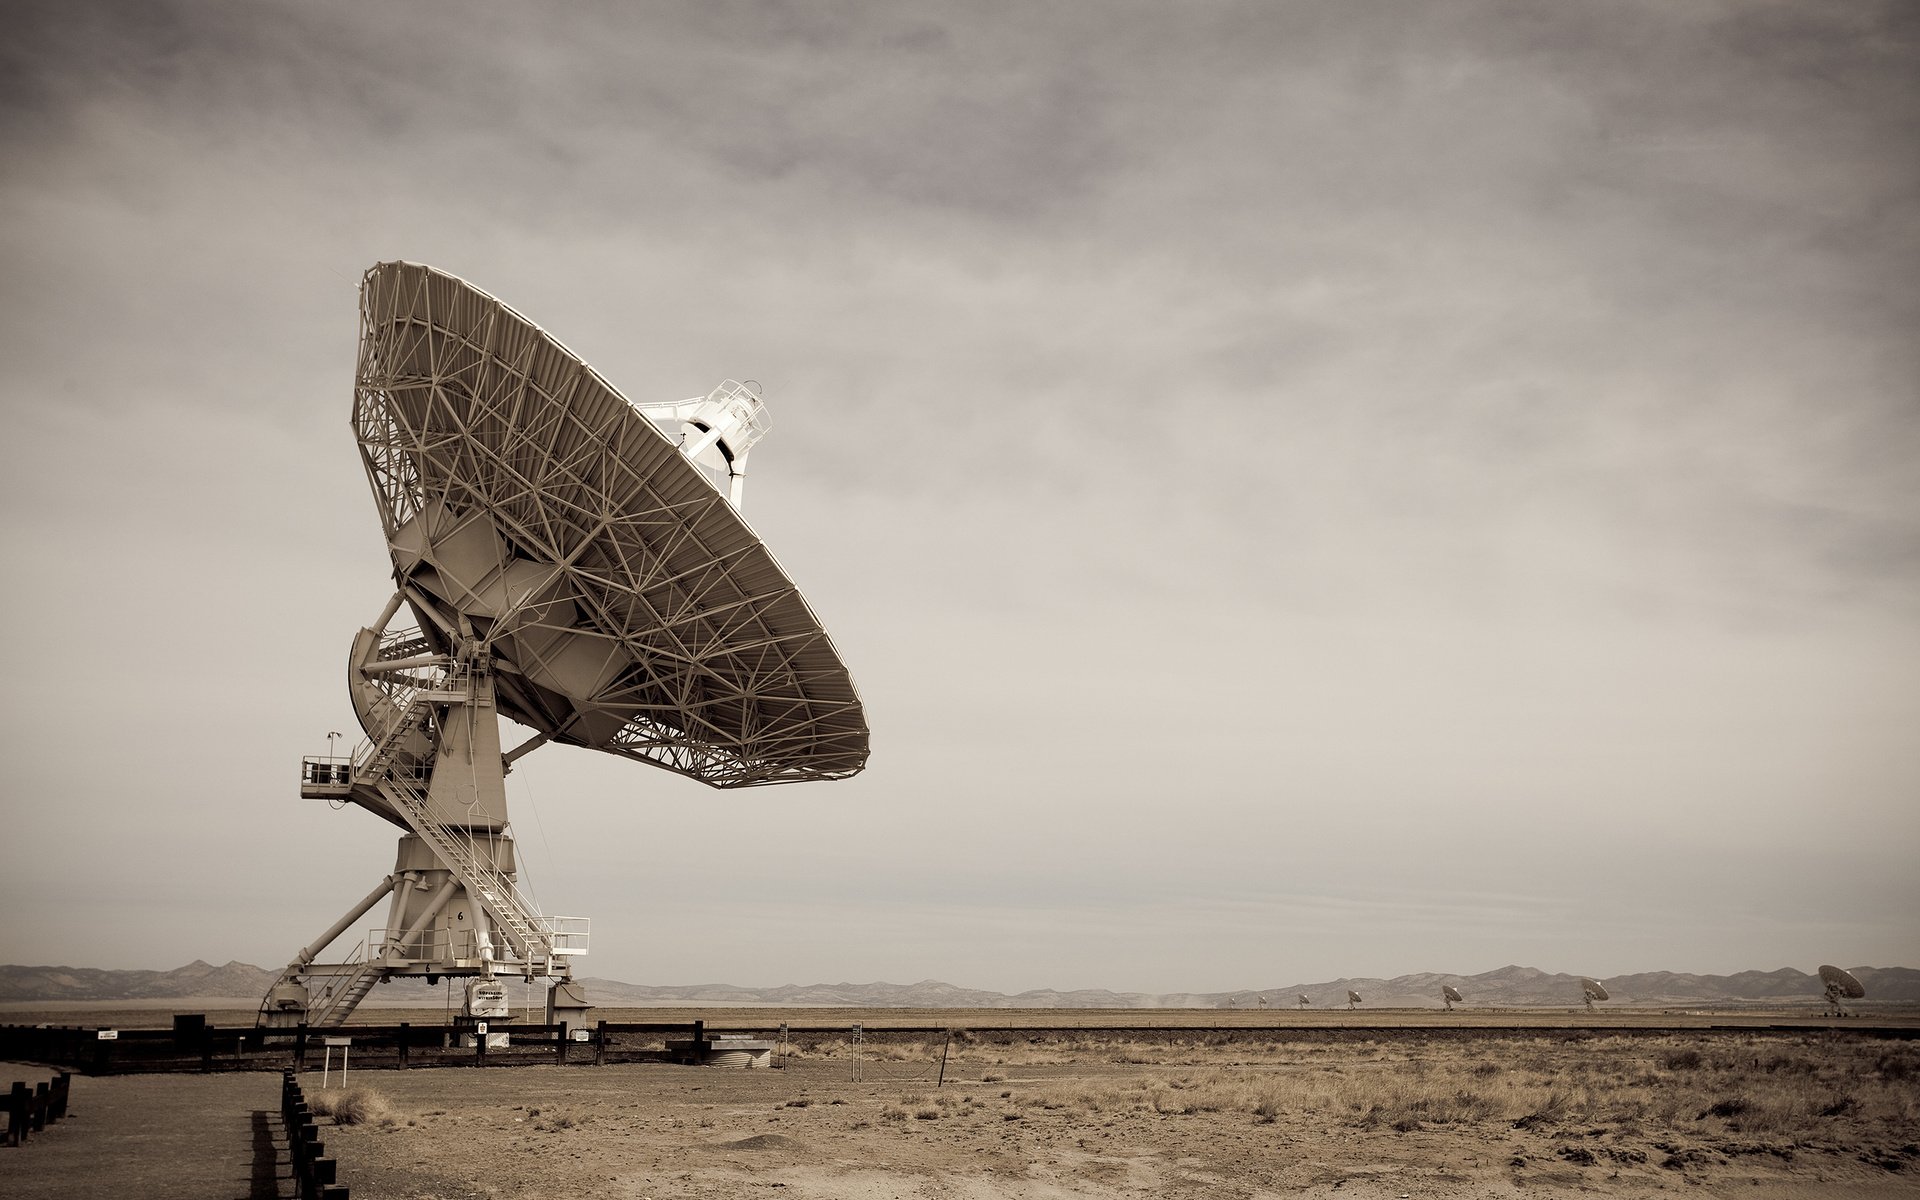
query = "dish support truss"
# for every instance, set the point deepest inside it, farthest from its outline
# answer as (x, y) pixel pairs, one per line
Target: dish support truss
(432, 764)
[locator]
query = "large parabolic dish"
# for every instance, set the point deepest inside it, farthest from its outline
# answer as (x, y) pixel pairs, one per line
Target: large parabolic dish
(570, 565)
(628, 606)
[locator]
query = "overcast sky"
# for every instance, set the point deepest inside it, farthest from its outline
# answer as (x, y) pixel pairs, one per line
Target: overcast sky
(1305, 489)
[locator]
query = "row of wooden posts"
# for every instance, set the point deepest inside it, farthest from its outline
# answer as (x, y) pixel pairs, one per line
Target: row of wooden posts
(312, 1169)
(31, 1110)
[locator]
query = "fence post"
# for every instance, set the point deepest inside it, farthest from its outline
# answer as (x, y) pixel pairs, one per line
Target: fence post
(19, 1114)
(560, 1044)
(600, 1045)
(404, 1029)
(300, 1047)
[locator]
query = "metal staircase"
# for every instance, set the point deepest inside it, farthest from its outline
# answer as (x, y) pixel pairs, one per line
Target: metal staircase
(534, 938)
(535, 945)
(336, 1002)
(531, 936)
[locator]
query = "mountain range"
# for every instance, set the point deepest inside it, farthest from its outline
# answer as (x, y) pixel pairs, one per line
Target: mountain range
(1511, 986)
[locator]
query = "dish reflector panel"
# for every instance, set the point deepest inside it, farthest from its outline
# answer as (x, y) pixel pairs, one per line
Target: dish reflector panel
(1843, 981)
(1448, 991)
(1593, 988)
(530, 507)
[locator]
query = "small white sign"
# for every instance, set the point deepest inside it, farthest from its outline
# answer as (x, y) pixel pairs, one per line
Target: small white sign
(339, 1041)
(108, 1035)
(581, 1035)
(479, 1026)
(783, 1029)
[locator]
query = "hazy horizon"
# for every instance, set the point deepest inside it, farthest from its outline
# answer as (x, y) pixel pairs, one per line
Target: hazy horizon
(1274, 990)
(1305, 490)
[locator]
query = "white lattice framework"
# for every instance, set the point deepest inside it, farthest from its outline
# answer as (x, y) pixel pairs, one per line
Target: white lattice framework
(529, 506)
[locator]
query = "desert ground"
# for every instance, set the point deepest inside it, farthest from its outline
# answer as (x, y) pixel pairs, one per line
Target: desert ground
(1325, 1113)
(1368, 1105)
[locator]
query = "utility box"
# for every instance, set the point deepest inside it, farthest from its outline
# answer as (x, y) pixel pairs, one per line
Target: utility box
(567, 1004)
(740, 1053)
(487, 999)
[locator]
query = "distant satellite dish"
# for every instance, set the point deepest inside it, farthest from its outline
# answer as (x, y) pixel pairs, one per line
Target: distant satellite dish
(1840, 985)
(1592, 990)
(1353, 998)
(1451, 995)
(1303, 1000)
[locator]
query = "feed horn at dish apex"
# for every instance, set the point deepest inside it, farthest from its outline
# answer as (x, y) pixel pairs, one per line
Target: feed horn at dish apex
(569, 560)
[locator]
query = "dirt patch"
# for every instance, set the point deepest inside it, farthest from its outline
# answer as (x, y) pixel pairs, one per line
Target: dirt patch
(763, 1141)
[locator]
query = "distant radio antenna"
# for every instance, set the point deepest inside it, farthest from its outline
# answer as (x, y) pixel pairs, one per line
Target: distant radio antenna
(1353, 998)
(1303, 1000)
(1840, 985)
(1591, 990)
(1451, 995)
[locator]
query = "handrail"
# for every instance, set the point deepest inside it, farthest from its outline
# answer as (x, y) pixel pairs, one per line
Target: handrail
(339, 986)
(530, 935)
(493, 890)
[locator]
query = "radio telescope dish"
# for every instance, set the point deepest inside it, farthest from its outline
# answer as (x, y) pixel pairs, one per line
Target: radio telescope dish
(1840, 985)
(568, 560)
(1591, 990)
(1353, 998)
(1451, 995)
(1304, 1001)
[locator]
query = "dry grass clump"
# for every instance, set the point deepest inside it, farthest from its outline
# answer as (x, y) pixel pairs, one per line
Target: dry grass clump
(912, 1049)
(554, 1120)
(353, 1106)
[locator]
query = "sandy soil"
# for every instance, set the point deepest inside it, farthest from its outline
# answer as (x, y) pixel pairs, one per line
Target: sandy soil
(157, 1137)
(1764, 1116)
